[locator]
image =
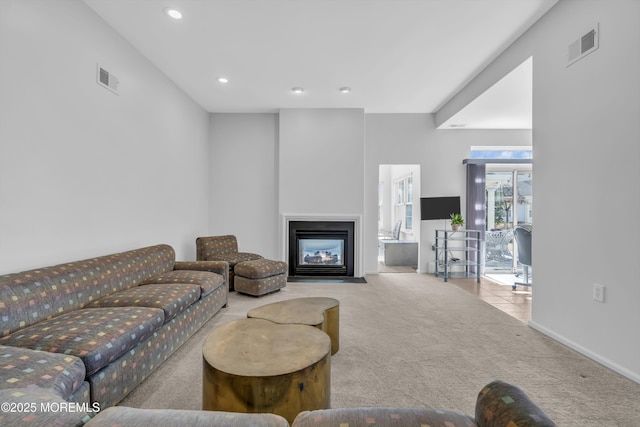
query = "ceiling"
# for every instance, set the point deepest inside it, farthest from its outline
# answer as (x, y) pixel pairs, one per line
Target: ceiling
(397, 56)
(508, 104)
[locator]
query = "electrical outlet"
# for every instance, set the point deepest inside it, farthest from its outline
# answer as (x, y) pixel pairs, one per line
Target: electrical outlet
(598, 292)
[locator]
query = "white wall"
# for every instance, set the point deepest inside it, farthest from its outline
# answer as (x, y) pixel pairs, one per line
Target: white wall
(412, 138)
(321, 161)
(85, 172)
(598, 101)
(244, 181)
(586, 155)
(303, 161)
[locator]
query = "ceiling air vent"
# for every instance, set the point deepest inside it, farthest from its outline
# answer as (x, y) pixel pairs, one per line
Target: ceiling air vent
(106, 79)
(586, 44)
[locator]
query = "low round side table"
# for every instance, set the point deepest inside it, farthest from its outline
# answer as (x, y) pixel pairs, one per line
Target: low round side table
(254, 365)
(320, 312)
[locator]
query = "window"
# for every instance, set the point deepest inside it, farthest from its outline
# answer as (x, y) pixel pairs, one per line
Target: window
(509, 152)
(404, 201)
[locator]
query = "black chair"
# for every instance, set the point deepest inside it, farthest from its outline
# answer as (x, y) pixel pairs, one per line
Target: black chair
(522, 234)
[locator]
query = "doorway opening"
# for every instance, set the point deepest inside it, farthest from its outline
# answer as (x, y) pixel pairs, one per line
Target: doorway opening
(398, 218)
(500, 193)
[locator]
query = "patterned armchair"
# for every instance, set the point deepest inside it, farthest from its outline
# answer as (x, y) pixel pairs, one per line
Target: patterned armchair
(223, 248)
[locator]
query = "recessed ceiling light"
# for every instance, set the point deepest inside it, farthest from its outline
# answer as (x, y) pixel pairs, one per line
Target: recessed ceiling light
(297, 89)
(345, 89)
(174, 13)
(223, 80)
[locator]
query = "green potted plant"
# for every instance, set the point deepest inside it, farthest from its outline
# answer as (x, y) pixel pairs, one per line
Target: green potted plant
(456, 221)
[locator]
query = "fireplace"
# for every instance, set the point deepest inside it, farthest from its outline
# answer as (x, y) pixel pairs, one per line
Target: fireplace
(321, 248)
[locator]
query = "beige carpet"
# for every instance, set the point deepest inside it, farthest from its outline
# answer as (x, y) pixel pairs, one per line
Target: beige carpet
(412, 340)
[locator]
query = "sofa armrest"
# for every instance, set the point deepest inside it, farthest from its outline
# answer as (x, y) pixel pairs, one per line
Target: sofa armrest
(501, 404)
(220, 267)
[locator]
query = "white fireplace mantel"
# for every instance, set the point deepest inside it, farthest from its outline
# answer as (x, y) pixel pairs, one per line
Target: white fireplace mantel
(358, 237)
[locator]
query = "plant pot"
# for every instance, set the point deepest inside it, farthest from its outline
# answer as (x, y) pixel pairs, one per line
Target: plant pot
(455, 227)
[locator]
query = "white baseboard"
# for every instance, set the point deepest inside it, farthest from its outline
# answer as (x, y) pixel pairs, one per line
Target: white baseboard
(633, 376)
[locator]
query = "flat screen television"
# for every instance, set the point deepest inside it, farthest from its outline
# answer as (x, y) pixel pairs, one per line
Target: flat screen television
(439, 207)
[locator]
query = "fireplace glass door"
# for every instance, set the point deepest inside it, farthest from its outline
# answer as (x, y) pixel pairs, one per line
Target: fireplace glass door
(321, 252)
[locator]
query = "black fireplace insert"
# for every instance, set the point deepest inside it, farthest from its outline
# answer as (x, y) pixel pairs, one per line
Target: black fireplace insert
(321, 248)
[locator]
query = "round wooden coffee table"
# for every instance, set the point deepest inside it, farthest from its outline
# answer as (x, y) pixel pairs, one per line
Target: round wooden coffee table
(320, 312)
(254, 365)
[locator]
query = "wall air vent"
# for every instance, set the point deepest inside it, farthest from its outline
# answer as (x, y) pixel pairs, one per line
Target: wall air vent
(106, 79)
(586, 44)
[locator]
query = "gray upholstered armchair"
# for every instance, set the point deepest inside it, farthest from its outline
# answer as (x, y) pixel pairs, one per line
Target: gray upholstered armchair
(223, 248)
(522, 234)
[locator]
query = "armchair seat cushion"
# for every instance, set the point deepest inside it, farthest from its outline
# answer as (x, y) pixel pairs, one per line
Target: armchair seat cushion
(25, 368)
(98, 336)
(171, 298)
(237, 257)
(207, 281)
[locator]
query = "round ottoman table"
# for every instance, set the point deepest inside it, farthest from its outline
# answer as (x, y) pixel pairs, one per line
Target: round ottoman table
(320, 312)
(254, 365)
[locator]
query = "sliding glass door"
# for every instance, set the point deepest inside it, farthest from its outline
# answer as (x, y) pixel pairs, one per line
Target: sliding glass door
(509, 202)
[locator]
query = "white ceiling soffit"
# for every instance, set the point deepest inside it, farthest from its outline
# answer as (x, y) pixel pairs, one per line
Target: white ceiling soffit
(397, 56)
(508, 104)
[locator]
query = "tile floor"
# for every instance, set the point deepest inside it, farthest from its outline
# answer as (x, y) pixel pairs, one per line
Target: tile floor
(497, 291)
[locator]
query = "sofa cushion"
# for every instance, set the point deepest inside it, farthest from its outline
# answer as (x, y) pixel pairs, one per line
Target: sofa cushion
(218, 267)
(40, 294)
(40, 407)
(207, 281)
(133, 417)
(23, 368)
(98, 336)
(382, 417)
(172, 299)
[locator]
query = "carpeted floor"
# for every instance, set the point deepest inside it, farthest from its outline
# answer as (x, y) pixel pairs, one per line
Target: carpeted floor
(412, 340)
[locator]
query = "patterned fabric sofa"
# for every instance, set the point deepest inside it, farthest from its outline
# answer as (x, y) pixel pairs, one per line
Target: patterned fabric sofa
(499, 404)
(90, 331)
